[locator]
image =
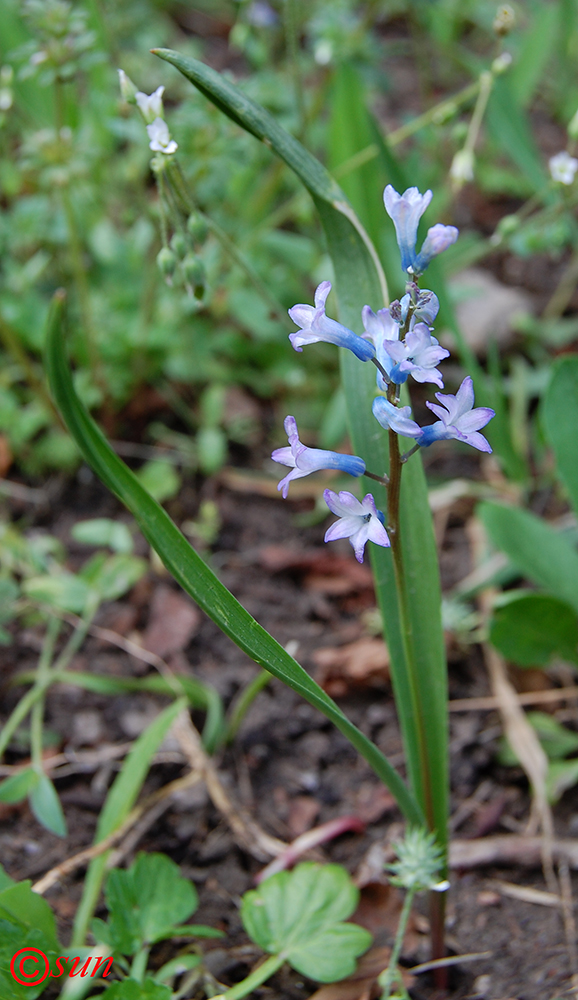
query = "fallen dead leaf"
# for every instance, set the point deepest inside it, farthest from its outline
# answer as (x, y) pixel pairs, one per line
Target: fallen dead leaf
(372, 801)
(364, 663)
(326, 572)
(173, 621)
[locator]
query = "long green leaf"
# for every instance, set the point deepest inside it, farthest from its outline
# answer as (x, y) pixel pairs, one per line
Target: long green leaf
(359, 280)
(121, 797)
(560, 419)
(536, 548)
(192, 573)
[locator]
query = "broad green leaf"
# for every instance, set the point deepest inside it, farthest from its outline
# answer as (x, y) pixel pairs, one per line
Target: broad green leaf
(160, 479)
(15, 936)
(539, 551)
(45, 805)
(300, 916)
(17, 786)
(534, 627)
(131, 989)
(5, 880)
(146, 901)
(119, 801)
(104, 531)
(65, 591)
(192, 573)
(562, 774)
(560, 419)
(19, 905)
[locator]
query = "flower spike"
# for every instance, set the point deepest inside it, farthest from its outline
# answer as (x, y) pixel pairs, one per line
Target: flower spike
(315, 326)
(302, 460)
(360, 521)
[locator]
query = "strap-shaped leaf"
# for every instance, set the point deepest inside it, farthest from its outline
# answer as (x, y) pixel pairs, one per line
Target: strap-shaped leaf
(560, 419)
(191, 572)
(360, 280)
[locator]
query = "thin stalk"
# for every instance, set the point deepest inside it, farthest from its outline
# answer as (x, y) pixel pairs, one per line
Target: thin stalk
(139, 964)
(186, 204)
(42, 679)
(384, 480)
(387, 978)
(243, 702)
(31, 697)
(254, 980)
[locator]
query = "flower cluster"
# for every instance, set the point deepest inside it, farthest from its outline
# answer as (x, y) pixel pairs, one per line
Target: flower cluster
(399, 341)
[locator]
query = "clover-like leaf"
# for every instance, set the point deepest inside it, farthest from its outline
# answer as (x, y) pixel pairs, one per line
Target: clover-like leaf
(300, 915)
(146, 902)
(131, 989)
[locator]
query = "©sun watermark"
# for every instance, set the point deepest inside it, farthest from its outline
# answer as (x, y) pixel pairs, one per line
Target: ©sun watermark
(42, 966)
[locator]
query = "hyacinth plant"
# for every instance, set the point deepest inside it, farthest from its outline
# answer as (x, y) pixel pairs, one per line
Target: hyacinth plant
(397, 344)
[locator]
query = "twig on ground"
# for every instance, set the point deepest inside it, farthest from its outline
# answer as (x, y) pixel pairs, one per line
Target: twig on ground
(490, 702)
(246, 831)
(84, 857)
(509, 849)
(526, 893)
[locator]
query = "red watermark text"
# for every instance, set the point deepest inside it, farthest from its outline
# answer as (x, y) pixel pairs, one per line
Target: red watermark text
(30, 966)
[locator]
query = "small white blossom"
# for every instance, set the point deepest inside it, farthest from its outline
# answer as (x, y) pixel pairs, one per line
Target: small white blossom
(160, 137)
(563, 167)
(151, 105)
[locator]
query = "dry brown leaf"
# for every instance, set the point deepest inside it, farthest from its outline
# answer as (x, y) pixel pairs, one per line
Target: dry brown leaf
(372, 801)
(173, 621)
(364, 663)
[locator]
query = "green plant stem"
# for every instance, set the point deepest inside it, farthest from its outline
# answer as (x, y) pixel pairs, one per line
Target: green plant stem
(186, 205)
(387, 978)
(36, 692)
(42, 680)
(242, 703)
(256, 979)
(14, 347)
(139, 964)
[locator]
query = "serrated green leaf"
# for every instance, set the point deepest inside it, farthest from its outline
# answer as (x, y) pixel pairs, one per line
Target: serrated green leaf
(103, 531)
(533, 628)
(300, 916)
(17, 786)
(19, 905)
(131, 989)
(560, 419)
(146, 901)
(45, 805)
(192, 573)
(539, 551)
(14, 936)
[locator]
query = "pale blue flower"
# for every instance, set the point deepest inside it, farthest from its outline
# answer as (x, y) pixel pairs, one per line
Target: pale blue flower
(359, 520)
(316, 326)
(395, 418)
(302, 460)
(405, 210)
(438, 239)
(426, 307)
(457, 419)
(417, 355)
(379, 328)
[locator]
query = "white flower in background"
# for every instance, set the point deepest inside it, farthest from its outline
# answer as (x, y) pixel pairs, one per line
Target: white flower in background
(160, 137)
(563, 167)
(151, 105)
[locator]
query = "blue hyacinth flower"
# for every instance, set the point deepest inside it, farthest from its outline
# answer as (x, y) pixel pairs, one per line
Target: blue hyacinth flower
(303, 460)
(315, 326)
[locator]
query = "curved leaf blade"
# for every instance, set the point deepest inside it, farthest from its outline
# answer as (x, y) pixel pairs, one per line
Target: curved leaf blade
(192, 573)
